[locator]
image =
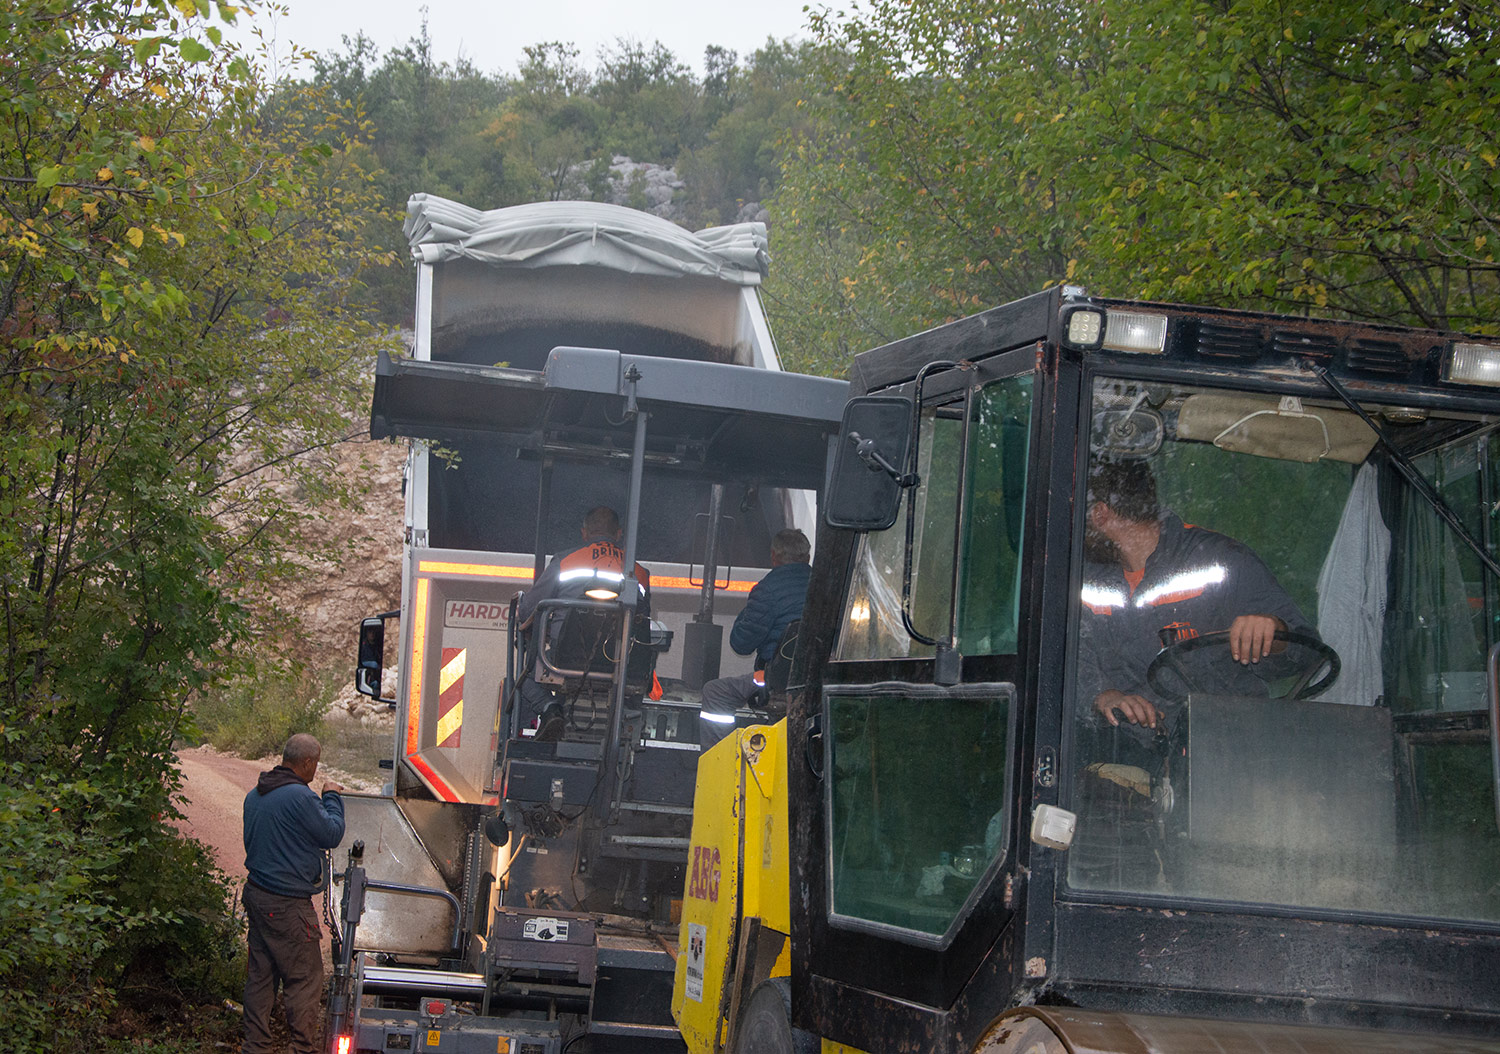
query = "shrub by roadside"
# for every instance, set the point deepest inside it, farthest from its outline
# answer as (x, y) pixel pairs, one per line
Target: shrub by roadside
(106, 915)
(255, 716)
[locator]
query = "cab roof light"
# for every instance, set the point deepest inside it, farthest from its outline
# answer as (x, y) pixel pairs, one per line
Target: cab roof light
(1083, 326)
(1474, 364)
(1135, 331)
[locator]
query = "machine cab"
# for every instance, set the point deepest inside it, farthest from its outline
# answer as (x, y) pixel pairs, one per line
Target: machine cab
(1153, 681)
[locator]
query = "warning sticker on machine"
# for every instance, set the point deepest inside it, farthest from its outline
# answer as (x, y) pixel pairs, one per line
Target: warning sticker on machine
(545, 930)
(693, 976)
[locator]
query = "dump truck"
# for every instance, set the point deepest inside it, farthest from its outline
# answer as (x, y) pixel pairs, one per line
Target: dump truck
(513, 891)
(960, 840)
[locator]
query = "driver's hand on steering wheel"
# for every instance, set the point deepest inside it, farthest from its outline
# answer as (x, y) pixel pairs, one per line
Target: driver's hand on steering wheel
(1136, 709)
(1252, 638)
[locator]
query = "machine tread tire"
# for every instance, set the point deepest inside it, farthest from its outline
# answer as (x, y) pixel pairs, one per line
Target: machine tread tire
(1021, 1035)
(765, 1025)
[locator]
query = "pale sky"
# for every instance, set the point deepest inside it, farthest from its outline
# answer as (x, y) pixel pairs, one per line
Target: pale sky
(491, 33)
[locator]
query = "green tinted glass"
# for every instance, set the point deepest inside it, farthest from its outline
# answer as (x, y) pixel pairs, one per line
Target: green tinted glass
(1373, 793)
(999, 444)
(918, 803)
(994, 502)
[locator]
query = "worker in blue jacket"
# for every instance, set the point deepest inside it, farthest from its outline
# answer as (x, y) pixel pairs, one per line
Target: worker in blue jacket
(288, 828)
(774, 603)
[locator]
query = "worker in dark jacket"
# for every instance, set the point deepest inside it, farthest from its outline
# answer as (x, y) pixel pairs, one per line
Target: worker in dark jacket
(1152, 581)
(287, 830)
(774, 603)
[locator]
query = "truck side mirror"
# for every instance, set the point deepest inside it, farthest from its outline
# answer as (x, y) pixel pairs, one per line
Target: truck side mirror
(869, 469)
(371, 661)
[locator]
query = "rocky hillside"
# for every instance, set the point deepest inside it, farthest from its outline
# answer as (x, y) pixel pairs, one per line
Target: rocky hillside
(652, 188)
(330, 599)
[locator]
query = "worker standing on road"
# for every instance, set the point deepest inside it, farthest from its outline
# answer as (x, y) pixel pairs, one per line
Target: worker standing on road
(288, 828)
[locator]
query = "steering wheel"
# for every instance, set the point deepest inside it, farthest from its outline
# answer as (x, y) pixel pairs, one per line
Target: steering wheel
(1170, 660)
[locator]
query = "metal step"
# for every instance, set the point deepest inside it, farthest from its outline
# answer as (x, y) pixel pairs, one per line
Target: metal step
(383, 980)
(635, 952)
(626, 1028)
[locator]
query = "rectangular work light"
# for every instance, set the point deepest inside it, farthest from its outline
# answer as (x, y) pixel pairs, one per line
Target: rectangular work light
(1135, 331)
(1473, 364)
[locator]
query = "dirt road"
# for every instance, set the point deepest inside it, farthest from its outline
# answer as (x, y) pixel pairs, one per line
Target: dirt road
(214, 786)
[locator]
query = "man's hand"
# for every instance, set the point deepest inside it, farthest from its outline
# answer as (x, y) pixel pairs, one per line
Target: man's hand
(1136, 709)
(329, 785)
(1252, 638)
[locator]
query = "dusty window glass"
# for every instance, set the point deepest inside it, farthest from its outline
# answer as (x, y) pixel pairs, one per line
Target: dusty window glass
(1275, 781)
(995, 500)
(993, 506)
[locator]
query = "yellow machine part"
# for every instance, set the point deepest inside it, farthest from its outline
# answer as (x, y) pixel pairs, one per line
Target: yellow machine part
(736, 905)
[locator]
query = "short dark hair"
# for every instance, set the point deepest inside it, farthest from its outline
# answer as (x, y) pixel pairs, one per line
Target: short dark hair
(791, 546)
(1126, 486)
(601, 522)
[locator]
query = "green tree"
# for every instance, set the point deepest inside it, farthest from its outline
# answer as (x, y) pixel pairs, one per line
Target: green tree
(428, 126)
(551, 131)
(653, 106)
(549, 126)
(176, 349)
(754, 110)
(1319, 158)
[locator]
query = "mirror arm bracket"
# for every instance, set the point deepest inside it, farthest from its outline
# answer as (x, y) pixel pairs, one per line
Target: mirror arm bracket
(870, 454)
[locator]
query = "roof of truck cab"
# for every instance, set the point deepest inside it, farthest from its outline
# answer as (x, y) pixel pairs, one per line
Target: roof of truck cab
(583, 234)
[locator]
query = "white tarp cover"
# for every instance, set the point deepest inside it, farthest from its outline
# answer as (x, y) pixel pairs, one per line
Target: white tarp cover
(583, 233)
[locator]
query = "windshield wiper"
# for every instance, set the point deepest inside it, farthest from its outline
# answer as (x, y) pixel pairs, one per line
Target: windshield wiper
(1410, 472)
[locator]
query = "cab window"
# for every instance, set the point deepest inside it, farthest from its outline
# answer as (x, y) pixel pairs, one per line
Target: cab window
(1347, 766)
(991, 502)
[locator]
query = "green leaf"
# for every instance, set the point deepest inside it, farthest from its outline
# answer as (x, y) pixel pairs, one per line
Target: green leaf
(193, 51)
(147, 49)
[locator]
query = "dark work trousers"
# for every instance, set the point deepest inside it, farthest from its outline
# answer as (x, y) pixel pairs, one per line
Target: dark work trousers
(285, 947)
(721, 698)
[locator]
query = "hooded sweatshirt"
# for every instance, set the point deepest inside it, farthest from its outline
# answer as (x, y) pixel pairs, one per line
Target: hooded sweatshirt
(287, 829)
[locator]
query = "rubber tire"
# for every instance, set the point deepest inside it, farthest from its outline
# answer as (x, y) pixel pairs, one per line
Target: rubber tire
(766, 1023)
(1021, 1035)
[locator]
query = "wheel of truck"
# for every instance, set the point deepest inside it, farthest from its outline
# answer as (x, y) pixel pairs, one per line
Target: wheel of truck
(1020, 1035)
(766, 1023)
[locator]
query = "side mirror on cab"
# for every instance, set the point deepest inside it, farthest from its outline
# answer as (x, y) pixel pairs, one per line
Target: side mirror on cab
(371, 661)
(869, 468)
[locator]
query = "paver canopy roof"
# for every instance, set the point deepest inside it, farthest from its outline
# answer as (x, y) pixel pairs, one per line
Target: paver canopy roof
(584, 234)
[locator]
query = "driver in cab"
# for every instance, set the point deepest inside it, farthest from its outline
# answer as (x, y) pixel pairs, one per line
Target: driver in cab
(1152, 581)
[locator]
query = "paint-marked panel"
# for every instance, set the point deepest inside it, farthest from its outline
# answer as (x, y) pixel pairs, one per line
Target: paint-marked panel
(457, 656)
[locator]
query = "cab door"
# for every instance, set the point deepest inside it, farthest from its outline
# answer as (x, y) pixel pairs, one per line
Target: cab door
(908, 825)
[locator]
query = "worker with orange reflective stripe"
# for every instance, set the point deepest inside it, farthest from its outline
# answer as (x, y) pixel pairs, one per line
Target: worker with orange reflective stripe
(594, 570)
(1152, 581)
